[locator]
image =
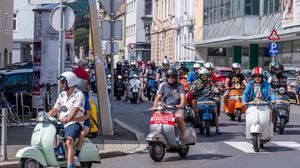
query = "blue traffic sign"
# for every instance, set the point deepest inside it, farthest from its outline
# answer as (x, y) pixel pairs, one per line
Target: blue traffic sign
(273, 49)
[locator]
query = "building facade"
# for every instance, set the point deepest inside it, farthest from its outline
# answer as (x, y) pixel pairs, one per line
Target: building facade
(137, 30)
(163, 31)
(238, 31)
(6, 26)
(23, 31)
(184, 24)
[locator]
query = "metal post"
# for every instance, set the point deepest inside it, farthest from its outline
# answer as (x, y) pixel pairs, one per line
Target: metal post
(4, 135)
(60, 45)
(112, 57)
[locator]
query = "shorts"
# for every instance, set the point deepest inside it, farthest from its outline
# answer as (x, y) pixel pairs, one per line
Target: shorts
(73, 131)
(180, 113)
(297, 90)
(87, 123)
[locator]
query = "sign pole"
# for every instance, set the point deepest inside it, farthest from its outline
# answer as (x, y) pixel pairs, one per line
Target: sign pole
(60, 45)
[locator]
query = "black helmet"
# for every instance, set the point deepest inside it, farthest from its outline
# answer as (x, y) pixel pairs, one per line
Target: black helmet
(119, 64)
(172, 72)
(126, 62)
(152, 64)
(278, 68)
(182, 63)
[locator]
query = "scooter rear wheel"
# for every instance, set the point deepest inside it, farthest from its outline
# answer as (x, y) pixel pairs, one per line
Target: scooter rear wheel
(156, 151)
(86, 164)
(239, 115)
(184, 151)
(281, 126)
(29, 163)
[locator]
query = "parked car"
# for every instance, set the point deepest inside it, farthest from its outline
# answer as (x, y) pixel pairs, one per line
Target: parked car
(290, 73)
(18, 65)
(189, 63)
(222, 73)
(17, 81)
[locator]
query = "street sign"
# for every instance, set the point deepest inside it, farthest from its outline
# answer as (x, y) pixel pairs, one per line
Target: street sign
(112, 49)
(67, 15)
(35, 2)
(107, 27)
(274, 35)
(131, 45)
(273, 49)
(111, 6)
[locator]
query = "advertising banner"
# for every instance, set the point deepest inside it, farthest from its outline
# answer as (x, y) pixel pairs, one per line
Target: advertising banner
(290, 10)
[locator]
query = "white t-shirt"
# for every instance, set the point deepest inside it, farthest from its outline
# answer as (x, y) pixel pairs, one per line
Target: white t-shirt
(65, 104)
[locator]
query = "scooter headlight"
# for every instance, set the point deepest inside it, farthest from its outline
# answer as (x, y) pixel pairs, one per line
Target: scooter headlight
(281, 90)
(119, 77)
(41, 117)
(237, 86)
(160, 108)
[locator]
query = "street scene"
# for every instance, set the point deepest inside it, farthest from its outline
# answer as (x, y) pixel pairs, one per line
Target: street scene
(149, 83)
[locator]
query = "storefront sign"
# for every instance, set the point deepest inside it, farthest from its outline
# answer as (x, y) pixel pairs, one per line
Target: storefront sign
(290, 13)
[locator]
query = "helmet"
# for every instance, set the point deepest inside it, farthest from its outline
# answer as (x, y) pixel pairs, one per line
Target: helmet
(277, 67)
(133, 63)
(165, 61)
(257, 71)
(209, 65)
(119, 64)
(203, 71)
(148, 62)
(70, 77)
(196, 65)
(152, 64)
(126, 62)
(236, 66)
(172, 72)
(182, 63)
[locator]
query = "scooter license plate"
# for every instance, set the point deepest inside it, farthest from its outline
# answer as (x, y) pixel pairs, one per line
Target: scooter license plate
(162, 118)
(207, 116)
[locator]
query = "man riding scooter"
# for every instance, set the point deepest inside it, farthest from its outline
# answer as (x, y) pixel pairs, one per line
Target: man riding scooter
(69, 106)
(203, 82)
(162, 73)
(192, 76)
(172, 93)
(133, 71)
(236, 77)
(183, 70)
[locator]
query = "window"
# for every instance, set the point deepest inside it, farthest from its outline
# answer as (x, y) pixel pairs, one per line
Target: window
(271, 6)
(15, 22)
(251, 7)
(227, 9)
(16, 79)
(148, 7)
(147, 32)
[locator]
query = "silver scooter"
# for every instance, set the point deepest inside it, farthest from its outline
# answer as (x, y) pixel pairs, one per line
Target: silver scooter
(164, 133)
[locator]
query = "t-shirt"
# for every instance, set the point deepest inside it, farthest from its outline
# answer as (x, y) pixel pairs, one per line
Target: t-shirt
(171, 93)
(65, 104)
(81, 73)
(236, 78)
(257, 91)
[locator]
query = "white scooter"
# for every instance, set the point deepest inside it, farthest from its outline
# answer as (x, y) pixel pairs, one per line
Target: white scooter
(259, 126)
(134, 88)
(164, 133)
(41, 153)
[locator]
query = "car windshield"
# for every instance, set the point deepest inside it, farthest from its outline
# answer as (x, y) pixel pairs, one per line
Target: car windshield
(1, 78)
(20, 65)
(290, 73)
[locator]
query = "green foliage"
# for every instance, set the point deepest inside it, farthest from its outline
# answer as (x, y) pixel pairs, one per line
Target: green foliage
(82, 39)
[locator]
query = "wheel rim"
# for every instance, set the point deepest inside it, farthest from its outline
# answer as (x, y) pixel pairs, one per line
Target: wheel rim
(30, 163)
(158, 149)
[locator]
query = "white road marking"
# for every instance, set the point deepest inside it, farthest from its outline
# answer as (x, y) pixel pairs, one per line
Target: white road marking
(288, 144)
(245, 147)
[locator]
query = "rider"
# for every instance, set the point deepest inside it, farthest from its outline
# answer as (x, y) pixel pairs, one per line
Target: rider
(257, 88)
(69, 106)
(134, 71)
(161, 75)
(211, 68)
(271, 71)
(203, 82)
(118, 70)
(172, 93)
(236, 77)
(192, 76)
(150, 74)
(183, 70)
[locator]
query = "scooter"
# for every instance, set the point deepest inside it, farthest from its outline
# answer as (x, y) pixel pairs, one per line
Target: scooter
(151, 88)
(134, 88)
(259, 126)
(108, 79)
(119, 87)
(235, 108)
(41, 153)
(207, 111)
(280, 110)
(164, 133)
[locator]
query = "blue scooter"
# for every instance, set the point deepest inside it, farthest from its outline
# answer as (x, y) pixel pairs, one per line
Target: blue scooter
(207, 111)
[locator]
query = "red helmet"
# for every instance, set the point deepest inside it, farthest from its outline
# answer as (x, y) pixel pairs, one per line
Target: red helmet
(257, 71)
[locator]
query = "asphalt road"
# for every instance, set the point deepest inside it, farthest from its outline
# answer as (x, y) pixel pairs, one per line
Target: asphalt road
(228, 150)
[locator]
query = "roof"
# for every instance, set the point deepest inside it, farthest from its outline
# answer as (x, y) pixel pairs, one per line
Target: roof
(7, 72)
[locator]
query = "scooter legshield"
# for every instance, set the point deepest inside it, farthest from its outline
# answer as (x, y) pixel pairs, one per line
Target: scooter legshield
(156, 137)
(255, 128)
(33, 153)
(89, 152)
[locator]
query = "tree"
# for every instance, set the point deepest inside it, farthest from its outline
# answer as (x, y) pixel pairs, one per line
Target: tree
(81, 37)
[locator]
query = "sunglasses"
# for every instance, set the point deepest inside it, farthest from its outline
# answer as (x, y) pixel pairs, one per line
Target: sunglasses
(256, 76)
(171, 77)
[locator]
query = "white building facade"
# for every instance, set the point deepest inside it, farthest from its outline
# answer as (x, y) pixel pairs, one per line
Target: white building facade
(23, 31)
(137, 31)
(6, 20)
(184, 24)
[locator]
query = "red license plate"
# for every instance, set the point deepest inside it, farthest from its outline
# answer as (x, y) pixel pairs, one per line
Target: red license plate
(162, 118)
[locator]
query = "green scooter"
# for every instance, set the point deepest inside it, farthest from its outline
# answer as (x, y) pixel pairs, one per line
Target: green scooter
(41, 153)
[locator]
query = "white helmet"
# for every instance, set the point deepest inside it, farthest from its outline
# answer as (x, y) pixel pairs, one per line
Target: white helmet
(196, 65)
(70, 77)
(134, 76)
(80, 84)
(165, 61)
(209, 65)
(236, 66)
(133, 63)
(203, 71)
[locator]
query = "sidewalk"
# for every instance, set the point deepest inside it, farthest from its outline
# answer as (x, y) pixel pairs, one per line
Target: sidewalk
(124, 141)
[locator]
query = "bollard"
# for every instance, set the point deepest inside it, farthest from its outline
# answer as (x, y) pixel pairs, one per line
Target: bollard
(4, 135)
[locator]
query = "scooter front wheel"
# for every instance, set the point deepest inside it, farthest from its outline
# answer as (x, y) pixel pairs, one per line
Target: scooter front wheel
(29, 163)
(282, 125)
(156, 151)
(255, 142)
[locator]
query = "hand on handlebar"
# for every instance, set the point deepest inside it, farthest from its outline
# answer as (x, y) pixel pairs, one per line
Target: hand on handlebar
(179, 106)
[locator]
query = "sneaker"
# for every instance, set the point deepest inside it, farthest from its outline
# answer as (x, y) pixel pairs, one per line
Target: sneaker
(76, 161)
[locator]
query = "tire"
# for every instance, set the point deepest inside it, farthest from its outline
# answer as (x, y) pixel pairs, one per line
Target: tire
(207, 128)
(232, 118)
(239, 115)
(201, 129)
(255, 142)
(29, 163)
(118, 96)
(184, 151)
(282, 126)
(261, 145)
(156, 151)
(86, 164)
